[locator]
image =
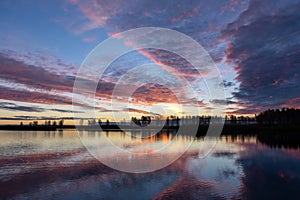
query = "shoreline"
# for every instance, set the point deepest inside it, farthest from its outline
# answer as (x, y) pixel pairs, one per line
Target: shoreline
(228, 129)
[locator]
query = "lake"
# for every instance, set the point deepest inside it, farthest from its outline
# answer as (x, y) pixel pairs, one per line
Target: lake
(56, 165)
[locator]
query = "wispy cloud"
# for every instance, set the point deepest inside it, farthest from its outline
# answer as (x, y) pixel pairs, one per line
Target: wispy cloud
(134, 110)
(32, 117)
(31, 75)
(8, 105)
(14, 107)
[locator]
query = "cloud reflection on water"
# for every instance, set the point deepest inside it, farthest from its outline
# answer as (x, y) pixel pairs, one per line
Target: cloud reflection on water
(48, 166)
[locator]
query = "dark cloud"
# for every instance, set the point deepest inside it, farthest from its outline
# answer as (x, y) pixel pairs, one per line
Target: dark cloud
(223, 101)
(30, 75)
(42, 59)
(33, 97)
(65, 111)
(34, 84)
(264, 44)
(246, 110)
(14, 107)
(228, 84)
(134, 110)
(29, 117)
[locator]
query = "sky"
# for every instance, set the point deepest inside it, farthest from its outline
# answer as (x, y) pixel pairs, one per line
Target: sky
(254, 44)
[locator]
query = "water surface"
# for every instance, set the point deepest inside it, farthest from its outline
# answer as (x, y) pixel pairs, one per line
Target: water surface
(55, 165)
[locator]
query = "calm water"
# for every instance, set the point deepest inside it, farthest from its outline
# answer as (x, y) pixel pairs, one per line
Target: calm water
(55, 165)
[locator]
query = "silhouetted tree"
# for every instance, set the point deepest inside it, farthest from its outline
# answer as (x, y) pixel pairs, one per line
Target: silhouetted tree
(233, 119)
(167, 121)
(283, 116)
(61, 122)
(145, 120)
(177, 121)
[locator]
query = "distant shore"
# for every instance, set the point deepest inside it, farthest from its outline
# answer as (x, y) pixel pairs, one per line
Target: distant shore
(34, 128)
(228, 129)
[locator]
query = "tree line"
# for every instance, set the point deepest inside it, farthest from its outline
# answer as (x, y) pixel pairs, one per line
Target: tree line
(46, 123)
(279, 116)
(270, 116)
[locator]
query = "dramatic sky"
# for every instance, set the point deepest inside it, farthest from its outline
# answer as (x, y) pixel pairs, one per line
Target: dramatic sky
(255, 45)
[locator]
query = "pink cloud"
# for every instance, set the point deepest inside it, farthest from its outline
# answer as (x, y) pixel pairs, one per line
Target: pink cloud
(96, 13)
(90, 39)
(294, 102)
(33, 97)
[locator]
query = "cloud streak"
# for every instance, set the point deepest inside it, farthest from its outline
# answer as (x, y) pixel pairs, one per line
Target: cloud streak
(14, 107)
